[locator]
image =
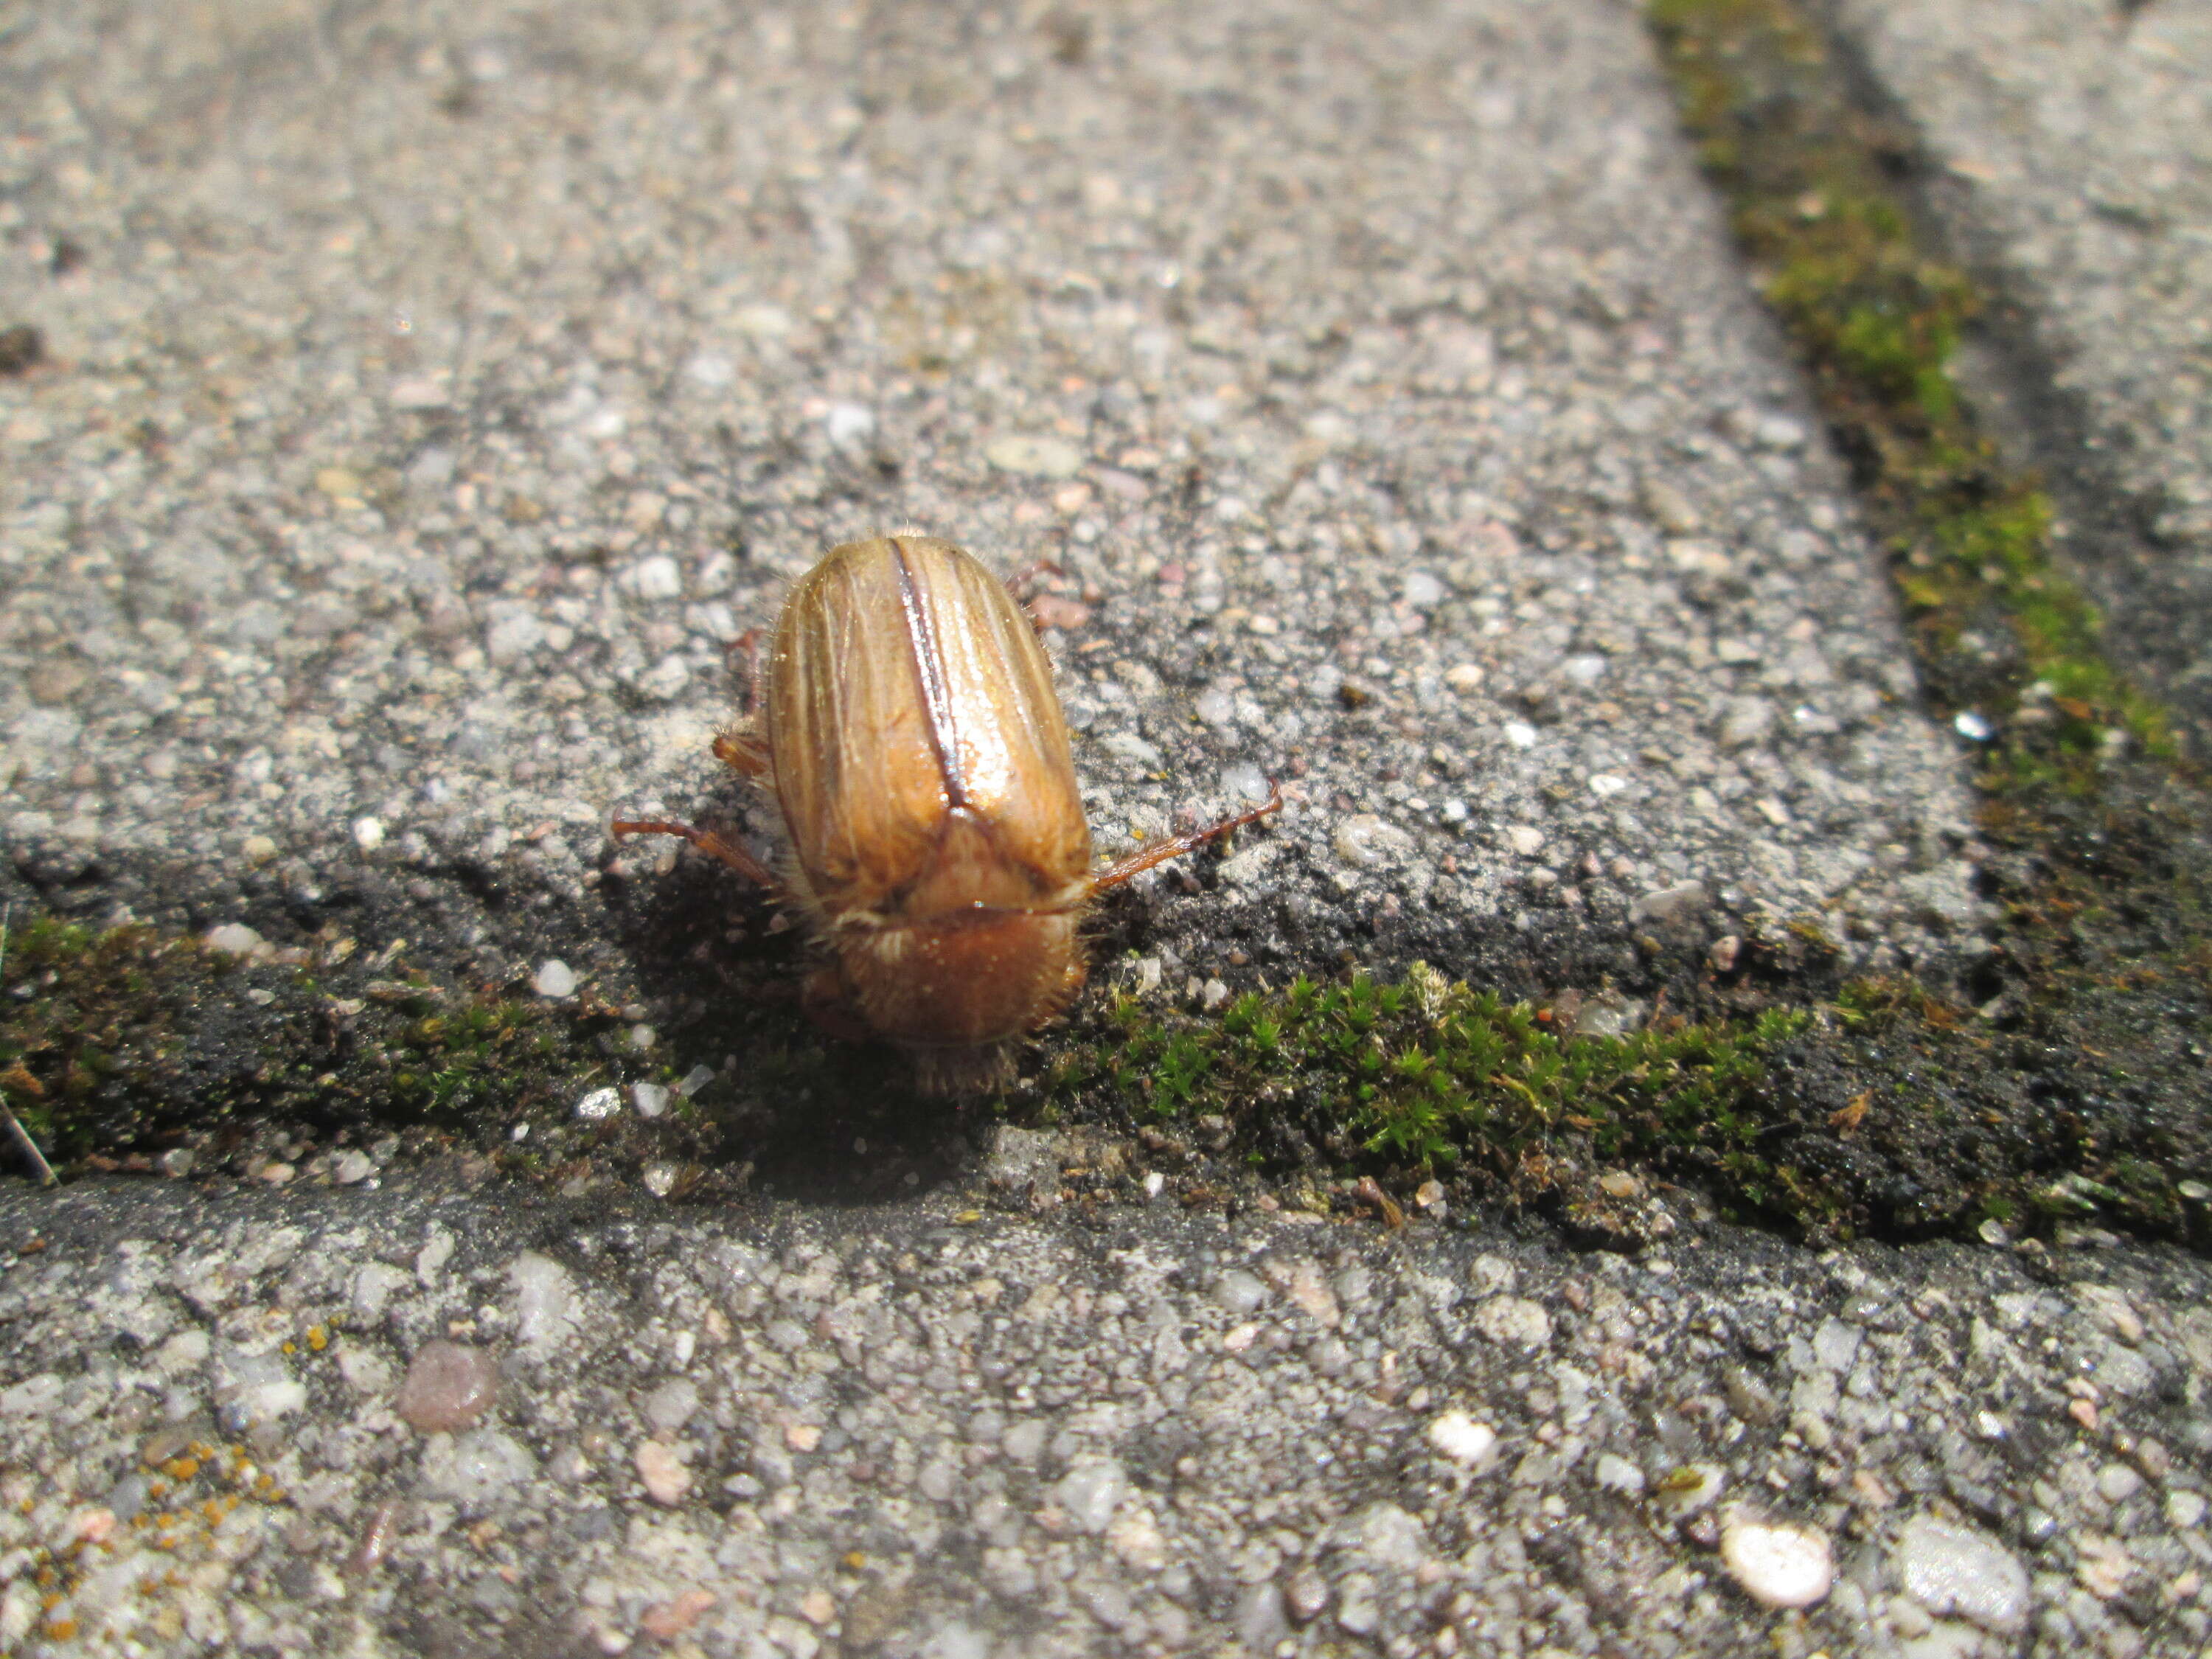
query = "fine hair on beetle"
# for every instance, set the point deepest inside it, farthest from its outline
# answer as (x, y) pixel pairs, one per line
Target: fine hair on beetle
(906, 723)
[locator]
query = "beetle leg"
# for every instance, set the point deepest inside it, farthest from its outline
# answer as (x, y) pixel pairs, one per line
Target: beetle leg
(750, 643)
(1023, 580)
(1161, 851)
(740, 747)
(824, 1001)
(1045, 611)
(705, 840)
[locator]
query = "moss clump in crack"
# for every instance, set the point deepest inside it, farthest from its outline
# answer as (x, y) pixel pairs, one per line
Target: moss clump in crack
(1886, 1111)
(1424, 1078)
(1808, 175)
(2078, 1085)
(120, 1044)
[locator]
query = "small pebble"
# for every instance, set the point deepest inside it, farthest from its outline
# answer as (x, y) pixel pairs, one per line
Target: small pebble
(1954, 1571)
(1745, 722)
(2116, 1483)
(652, 1098)
(1667, 906)
(350, 1166)
(1779, 1564)
(2104, 1566)
(1616, 1474)
(1305, 1594)
(600, 1104)
(1239, 1292)
(849, 426)
(449, 1386)
(555, 979)
(1422, 591)
(1514, 1322)
(665, 1478)
(665, 1620)
(1090, 1492)
(367, 834)
(671, 1405)
(1364, 840)
(1034, 456)
(237, 938)
(1462, 1439)
(1690, 1489)
(694, 1080)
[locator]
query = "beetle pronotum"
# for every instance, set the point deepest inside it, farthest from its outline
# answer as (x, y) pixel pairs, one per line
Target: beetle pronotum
(916, 747)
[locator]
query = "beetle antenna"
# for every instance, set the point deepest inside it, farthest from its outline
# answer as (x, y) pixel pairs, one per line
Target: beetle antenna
(1176, 845)
(705, 840)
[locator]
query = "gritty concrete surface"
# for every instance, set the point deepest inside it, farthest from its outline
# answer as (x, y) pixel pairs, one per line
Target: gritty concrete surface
(431, 1420)
(430, 399)
(425, 406)
(2076, 140)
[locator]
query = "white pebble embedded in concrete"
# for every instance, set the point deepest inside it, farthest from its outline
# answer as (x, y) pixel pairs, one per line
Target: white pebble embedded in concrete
(1090, 1492)
(1514, 1322)
(237, 938)
(1462, 1439)
(1779, 1564)
(555, 978)
(1953, 1569)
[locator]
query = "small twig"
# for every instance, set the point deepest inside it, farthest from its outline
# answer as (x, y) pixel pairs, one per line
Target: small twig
(47, 1176)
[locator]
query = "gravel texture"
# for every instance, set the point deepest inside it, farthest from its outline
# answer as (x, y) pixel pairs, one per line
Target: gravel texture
(2075, 139)
(952, 1428)
(403, 417)
(427, 406)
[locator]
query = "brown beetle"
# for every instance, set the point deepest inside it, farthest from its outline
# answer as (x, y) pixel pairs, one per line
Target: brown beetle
(917, 749)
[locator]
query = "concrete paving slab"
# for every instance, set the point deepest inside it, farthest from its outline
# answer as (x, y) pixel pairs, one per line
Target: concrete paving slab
(425, 408)
(428, 1421)
(2074, 142)
(427, 404)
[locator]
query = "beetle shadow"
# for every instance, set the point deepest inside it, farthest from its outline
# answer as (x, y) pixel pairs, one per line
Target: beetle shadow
(810, 1116)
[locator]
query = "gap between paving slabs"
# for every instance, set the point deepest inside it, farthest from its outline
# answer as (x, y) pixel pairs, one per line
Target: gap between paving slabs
(2096, 1032)
(2072, 1092)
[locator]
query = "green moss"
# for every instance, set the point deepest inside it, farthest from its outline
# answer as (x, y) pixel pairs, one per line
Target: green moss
(1424, 1078)
(117, 1045)
(2077, 1089)
(1879, 318)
